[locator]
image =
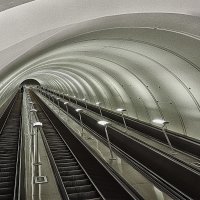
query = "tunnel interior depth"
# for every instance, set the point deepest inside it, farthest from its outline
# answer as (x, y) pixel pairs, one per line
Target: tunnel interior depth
(30, 82)
(99, 100)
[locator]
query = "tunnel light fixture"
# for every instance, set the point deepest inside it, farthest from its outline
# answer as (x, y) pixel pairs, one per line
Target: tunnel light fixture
(103, 123)
(58, 98)
(120, 109)
(99, 105)
(85, 100)
(124, 120)
(164, 123)
(37, 124)
(159, 121)
(31, 104)
(66, 104)
(75, 99)
(33, 110)
(31, 121)
(79, 110)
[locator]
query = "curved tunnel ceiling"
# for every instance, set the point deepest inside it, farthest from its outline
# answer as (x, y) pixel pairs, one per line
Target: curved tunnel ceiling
(134, 54)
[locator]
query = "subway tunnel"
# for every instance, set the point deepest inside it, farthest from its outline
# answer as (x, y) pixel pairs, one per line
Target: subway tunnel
(100, 56)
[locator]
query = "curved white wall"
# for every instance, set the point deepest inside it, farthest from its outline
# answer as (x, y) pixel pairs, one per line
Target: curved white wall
(119, 55)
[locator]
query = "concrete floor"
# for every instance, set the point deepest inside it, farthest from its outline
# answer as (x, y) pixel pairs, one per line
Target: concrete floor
(140, 183)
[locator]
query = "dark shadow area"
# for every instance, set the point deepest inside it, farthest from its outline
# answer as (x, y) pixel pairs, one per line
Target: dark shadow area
(30, 82)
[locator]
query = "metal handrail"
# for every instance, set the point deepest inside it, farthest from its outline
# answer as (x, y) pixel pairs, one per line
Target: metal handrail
(54, 168)
(175, 135)
(20, 159)
(53, 165)
(59, 182)
(140, 141)
(136, 120)
(8, 101)
(11, 106)
(119, 179)
(18, 171)
(140, 167)
(19, 147)
(75, 157)
(159, 181)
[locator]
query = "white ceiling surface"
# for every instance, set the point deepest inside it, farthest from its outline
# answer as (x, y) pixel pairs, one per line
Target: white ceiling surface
(142, 55)
(6, 4)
